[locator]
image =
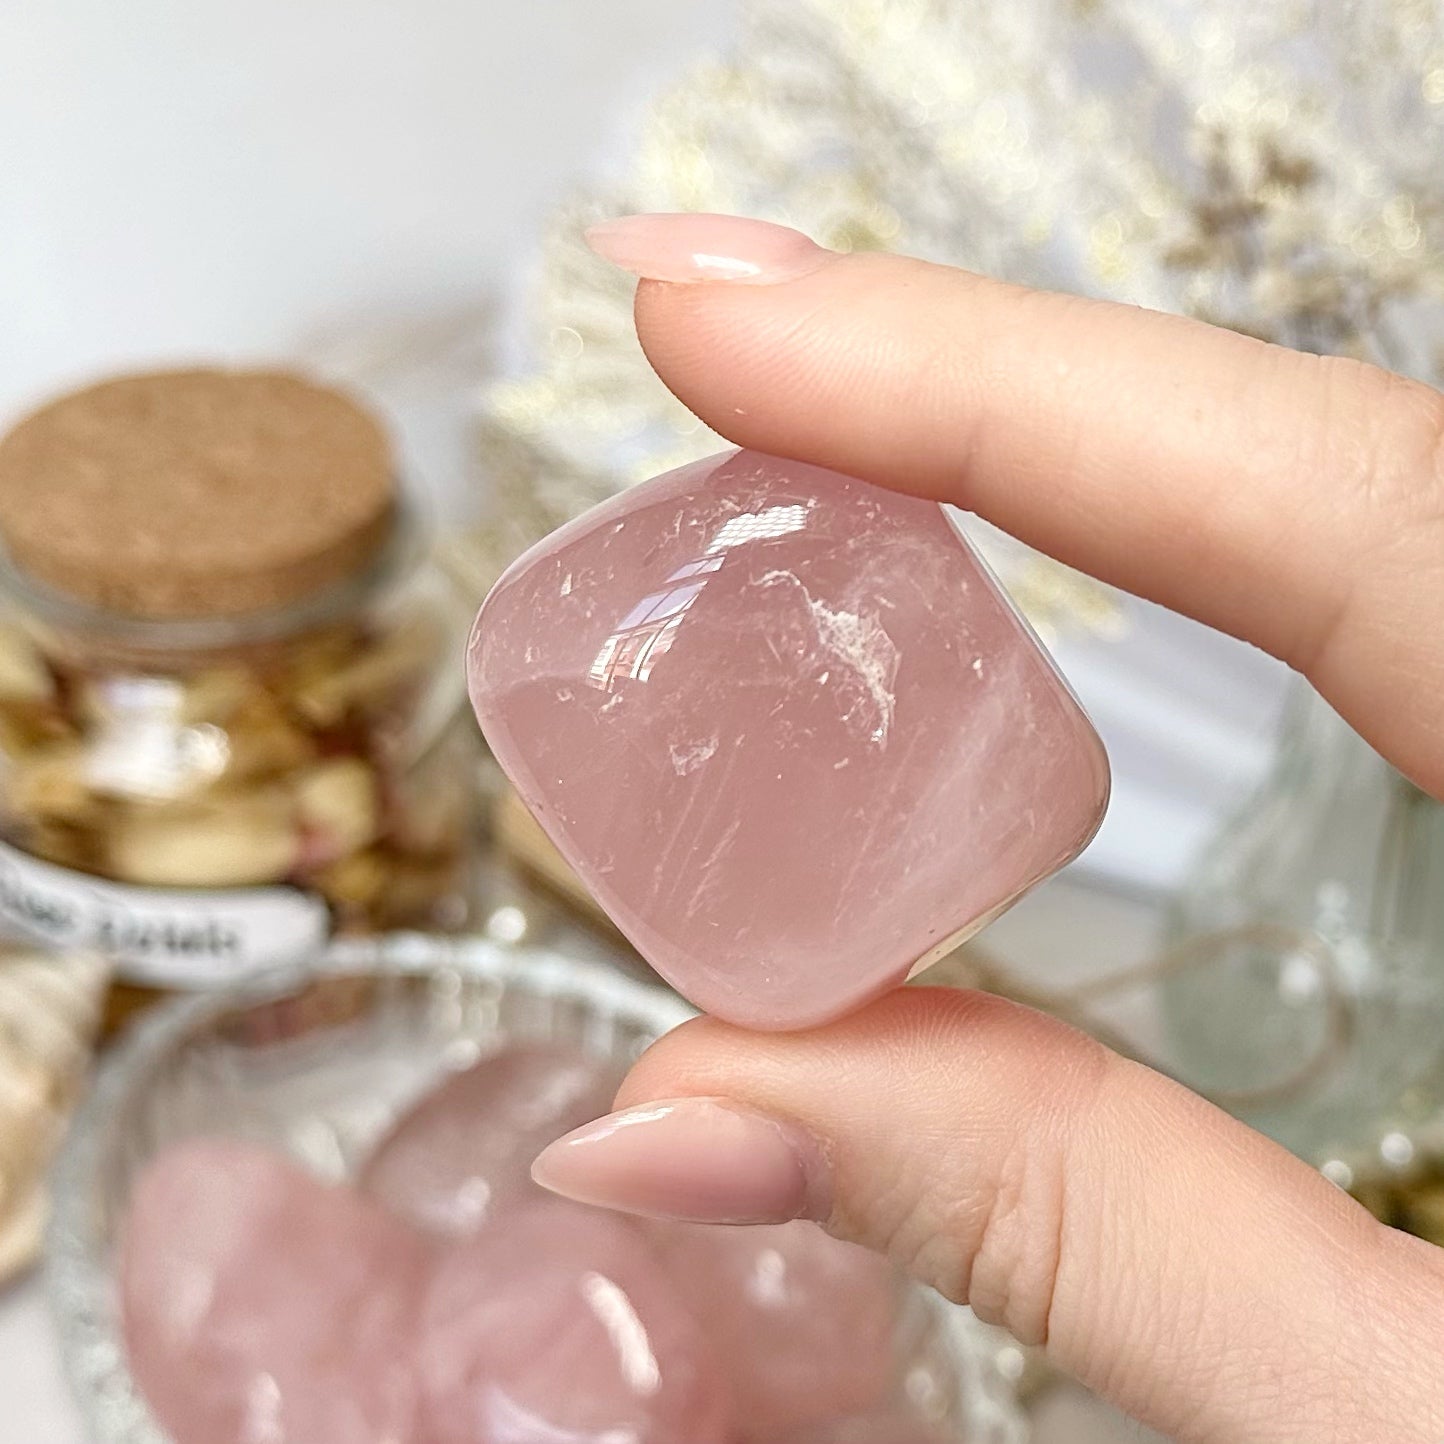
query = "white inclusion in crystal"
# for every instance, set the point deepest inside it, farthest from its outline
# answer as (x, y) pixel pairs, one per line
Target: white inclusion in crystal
(689, 758)
(614, 1311)
(863, 646)
(978, 665)
(860, 643)
(566, 590)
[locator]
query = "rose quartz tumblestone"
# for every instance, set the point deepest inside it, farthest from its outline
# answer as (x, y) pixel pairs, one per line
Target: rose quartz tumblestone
(258, 1304)
(466, 1149)
(558, 1326)
(786, 728)
(805, 1324)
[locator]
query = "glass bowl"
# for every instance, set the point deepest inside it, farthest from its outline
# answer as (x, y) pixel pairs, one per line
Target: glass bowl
(319, 1065)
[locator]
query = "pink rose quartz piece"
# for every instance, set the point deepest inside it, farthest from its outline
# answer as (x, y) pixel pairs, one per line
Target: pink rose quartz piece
(805, 1324)
(786, 728)
(260, 1305)
(884, 1428)
(465, 1150)
(556, 1325)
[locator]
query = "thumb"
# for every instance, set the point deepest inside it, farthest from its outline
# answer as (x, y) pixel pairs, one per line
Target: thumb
(1190, 1270)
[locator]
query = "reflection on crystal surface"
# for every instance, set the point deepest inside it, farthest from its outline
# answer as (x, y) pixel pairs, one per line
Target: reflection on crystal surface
(559, 1325)
(786, 729)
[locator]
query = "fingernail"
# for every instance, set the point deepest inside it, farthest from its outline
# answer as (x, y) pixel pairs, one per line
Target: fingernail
(697, 247)
(704, 1160)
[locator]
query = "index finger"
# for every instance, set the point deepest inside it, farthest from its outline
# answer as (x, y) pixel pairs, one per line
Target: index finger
(1290, 499)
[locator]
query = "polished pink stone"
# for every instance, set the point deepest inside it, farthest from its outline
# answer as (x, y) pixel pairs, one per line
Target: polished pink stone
(881, 1428)
(786, 728)
(556, 1325)
(466, 1149)
(805, 1325)
(260, 1305)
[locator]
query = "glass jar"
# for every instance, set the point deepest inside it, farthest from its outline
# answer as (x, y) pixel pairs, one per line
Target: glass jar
(198, 796)
(1314, 1006)
(321, 1070)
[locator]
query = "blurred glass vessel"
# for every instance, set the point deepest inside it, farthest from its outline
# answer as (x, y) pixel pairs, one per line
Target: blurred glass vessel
(1313, 1002)
(320, 1064)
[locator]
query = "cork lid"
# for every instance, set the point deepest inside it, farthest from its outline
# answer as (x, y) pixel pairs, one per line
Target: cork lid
(192, 494)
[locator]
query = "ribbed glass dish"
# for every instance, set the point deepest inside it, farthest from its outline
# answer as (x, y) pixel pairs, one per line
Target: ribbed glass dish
(319, 1065)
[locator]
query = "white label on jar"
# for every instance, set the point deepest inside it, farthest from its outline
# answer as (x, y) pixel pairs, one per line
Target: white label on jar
(170, 937)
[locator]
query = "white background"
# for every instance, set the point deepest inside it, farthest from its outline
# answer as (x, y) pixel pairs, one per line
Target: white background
(182, 178)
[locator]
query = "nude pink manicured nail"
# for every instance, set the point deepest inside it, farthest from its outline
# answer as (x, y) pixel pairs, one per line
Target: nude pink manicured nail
(698, 247)
(704, 1160)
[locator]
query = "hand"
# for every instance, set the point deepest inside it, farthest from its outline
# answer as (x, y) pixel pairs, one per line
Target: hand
(1190, 1270)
